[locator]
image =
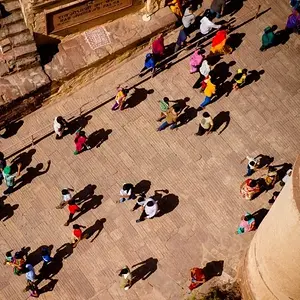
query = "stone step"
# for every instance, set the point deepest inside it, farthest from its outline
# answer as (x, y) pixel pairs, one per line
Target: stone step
(16, 28)
(21, 39)
(11, 19)
(12, 6)
(27, 63)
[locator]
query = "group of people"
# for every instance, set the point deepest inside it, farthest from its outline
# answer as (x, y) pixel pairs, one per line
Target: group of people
(20, 266)
(251, 188)
(60, 126)
(149, 206)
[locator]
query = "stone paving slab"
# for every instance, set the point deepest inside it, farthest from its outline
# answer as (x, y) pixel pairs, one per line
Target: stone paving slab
(205, 174)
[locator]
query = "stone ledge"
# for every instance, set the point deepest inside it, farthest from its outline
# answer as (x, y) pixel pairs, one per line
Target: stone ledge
(24, 91)
(76, 54)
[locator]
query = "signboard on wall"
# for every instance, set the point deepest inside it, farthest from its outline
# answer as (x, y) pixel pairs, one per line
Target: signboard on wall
(81, 11)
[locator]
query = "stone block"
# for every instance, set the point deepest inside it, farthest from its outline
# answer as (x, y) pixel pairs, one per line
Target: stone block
(16, 28)
(5, 45)
(12, 6)
(21, 39)
(13, 18)
(24, 50)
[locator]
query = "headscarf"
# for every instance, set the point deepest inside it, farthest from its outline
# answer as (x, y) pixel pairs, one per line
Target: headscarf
(7, 170)
(30, 275)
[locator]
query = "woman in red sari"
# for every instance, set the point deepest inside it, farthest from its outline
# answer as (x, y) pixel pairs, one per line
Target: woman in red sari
(158, 47)
(197, 278)
(218, 45)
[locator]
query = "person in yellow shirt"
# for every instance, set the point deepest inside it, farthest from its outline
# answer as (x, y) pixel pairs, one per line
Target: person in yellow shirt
(239, 78)
(209, 91)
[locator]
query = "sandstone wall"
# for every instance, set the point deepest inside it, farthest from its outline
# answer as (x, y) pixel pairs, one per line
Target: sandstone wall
(272, 263)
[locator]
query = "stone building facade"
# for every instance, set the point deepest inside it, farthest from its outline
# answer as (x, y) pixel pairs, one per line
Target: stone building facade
(59, 18)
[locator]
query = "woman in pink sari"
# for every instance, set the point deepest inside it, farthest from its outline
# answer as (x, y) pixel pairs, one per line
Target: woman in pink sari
(196, 61)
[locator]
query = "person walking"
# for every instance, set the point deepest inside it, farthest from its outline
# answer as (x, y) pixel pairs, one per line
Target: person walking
(209, 91)
(217, 8)
(126, 278)
(9, 178)
(206, 24)
(252, 166)
(196, 61)
(268, 39)
(176, 8)
(30, 274)
(250, 188)
(66, 197)
(80, 142)
(150, 209)
(59, 126)
(164, 106)
(158, 47)
(120, 98)
(219, 44)
(171, 119)
(181, 40)
(206, 124)
(149, 64)
(73, 208)
(2, 164)
(140, 201)
(239, 78)
(188, 20)
(197, 278)
(293, 21)
(247, 224)
(126, 193)
(46, 256)
(77, 235)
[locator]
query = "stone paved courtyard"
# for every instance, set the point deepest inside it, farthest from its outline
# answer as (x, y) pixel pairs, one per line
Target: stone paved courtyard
(203, 172)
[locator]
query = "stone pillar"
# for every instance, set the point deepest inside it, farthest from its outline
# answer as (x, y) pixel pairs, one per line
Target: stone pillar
(271, 268)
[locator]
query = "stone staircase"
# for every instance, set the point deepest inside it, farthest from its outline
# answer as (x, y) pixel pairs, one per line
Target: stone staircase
(17, 45)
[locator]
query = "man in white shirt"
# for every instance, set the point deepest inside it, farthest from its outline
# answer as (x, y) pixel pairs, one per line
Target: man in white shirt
(149, 211)
(206, 25)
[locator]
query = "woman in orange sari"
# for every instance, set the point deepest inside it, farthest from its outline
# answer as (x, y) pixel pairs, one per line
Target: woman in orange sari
(176, 8)
(249, 188)
(219, 46)
(197, 278)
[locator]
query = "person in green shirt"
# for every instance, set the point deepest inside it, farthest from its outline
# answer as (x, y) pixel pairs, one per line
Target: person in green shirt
(268, 38)
(10, 178)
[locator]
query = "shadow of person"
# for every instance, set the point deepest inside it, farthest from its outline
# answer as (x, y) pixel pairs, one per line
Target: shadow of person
(35, 257)
(92, 203)
(138, 96)
(235, 40)
(32, 173)
(180, 104)
(98, 137)
(144, 270)
(96, 228)
(188, 115)
(64, 251)
(264, 161)
(3, 12)
(51, 269)
(283, 169)
(253, 76)
(232, 7)
(224, 89)
(85, 193)
(12, 128)
(213, 268)
(259, 215)
(7, 211)
(77, 123)
(281, 36)
(221, 118)
(167, 204)
(221, 71)
(24, 158)
(142, 187)
(48, 287)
